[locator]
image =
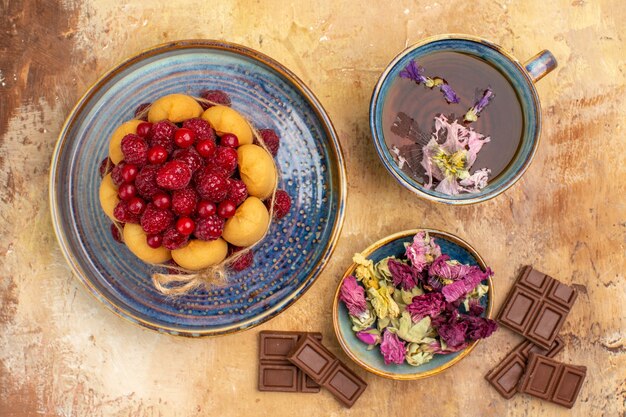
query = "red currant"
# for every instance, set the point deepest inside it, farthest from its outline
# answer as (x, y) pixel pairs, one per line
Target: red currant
(206, 148)
(162, 201)
(129, 172)
(143, 129)
(157, 155)
(229, 140)
(154, 241)
(185, 226)
(184, 137)
(206, 209)
(136, 205)
(226, 209)
(126, 191)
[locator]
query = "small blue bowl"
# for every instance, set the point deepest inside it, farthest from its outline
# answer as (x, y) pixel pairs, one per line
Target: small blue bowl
(372, 360)
(521, 77)
(312, 171)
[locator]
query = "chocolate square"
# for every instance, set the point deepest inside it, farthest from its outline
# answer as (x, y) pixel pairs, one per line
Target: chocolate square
(537, 307)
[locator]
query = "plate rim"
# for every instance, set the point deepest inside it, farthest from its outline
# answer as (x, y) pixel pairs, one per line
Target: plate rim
(295, 82)
(369, 250)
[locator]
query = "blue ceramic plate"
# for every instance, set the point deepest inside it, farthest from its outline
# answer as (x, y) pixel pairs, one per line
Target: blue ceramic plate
(310, 162)
(372, 360)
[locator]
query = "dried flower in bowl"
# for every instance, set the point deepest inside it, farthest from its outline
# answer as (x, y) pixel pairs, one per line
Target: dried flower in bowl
(414, 307)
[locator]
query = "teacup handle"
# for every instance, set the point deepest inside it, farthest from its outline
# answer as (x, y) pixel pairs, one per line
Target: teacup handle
(540, 65)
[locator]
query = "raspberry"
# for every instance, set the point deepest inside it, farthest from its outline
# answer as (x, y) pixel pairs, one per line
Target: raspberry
(189, 156)
(141, 112)
(282, 204)
(124, 215)
(212, 185)
(184, 201)
(146, 181)
(243, 262)
(209, 228)
(172, 239)
(226, 158)
(117, 173)
(155, 220)
(105, 167)
(237, 191)
(174, 175)
(162, 133)
(216, 96)
(135, 150)
(201, 128)
(271, 139)
(115, 232)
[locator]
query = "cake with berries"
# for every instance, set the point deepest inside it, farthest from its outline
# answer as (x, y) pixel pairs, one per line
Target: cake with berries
(190, 181)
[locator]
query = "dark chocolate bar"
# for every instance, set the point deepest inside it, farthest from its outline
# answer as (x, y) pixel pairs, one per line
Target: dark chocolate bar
(324, 368)
(537, 306)
(506, 376)
(276, 373)
(553, 381)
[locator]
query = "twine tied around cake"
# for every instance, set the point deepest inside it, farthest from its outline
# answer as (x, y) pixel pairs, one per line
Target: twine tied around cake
(185, 281)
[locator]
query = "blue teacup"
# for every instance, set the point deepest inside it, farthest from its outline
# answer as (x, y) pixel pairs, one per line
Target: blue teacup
(522, 78)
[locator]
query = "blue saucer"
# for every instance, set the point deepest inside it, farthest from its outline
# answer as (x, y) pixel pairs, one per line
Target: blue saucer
(310, 162)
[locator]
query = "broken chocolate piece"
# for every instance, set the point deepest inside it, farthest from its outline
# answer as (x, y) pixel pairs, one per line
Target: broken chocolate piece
(324, 368)
(553, 381)
(506, 376)
(276, 373)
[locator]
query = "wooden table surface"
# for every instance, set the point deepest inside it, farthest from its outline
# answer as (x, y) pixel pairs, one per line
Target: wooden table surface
(64, 354)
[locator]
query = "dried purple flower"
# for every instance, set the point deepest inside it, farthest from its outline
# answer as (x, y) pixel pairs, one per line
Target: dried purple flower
(422, 251)
(414, 72)
(447, 270)
(449, 94)
(392, 348)
(473, 113)
(453, 333)
(479, 327)
(402, 275)
(462, 287)
(475, 309)
(369, 336)
(429, 304)
(353, 296)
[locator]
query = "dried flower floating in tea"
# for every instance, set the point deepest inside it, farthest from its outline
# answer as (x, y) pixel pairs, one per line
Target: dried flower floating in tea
(473, 113)
(449, 154)
(415, 73)
(449, 162)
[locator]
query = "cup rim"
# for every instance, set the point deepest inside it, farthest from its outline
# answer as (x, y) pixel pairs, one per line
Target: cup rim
(368, 251)
(379, 141)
